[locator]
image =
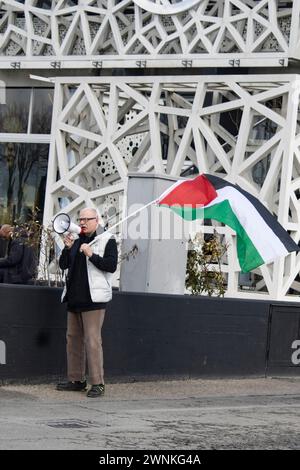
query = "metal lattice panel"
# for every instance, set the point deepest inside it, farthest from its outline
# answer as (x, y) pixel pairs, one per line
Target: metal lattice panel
(145, 33)
(244, 129)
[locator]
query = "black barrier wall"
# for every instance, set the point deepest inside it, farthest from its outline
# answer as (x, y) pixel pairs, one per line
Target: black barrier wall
(284, 340)
(32, 326)
(147, 336)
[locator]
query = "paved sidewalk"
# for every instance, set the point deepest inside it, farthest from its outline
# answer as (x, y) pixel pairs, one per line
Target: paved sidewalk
(183, 414)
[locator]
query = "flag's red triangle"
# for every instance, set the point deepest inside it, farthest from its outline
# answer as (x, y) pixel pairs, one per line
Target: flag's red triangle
(195, 192)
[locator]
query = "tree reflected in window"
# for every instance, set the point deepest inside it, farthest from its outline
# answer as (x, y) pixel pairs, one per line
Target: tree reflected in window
(22, 179)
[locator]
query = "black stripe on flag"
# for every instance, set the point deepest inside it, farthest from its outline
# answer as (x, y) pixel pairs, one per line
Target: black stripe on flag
(269, 218)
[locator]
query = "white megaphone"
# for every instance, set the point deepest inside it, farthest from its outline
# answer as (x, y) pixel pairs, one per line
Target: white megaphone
(62, 223)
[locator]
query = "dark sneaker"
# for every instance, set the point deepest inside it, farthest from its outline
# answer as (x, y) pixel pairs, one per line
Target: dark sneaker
(96, 391)
(71, 386)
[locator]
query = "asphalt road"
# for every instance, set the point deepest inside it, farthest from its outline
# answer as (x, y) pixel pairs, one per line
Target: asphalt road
(184, 414)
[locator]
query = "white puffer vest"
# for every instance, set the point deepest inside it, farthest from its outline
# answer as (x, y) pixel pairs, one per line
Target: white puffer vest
(100, 282)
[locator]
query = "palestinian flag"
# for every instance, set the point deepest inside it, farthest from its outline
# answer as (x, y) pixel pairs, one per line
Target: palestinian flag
(260, 238)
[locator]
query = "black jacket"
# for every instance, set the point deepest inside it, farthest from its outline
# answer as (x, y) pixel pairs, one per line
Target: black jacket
(107, 263)
(78, 293)
(19, 265)
(3, 247)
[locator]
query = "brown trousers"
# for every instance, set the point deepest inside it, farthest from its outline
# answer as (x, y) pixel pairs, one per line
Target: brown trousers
(84, 345)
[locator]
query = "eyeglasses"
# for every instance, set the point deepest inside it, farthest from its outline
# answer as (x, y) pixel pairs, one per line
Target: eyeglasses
(84, 220)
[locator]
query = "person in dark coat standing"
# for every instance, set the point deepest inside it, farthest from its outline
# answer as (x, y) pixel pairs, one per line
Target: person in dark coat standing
(18, 266)
(3, 245)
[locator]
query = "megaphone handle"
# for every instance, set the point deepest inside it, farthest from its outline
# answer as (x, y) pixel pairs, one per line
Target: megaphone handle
(75, 236)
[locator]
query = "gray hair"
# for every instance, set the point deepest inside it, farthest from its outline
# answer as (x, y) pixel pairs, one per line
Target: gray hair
(95, 211)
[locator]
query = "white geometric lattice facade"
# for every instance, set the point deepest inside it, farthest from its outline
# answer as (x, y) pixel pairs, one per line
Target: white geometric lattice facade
(220, 125)
(148, 33)
(242, 128)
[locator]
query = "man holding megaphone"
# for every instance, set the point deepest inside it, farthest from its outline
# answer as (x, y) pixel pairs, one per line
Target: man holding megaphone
(90, 260)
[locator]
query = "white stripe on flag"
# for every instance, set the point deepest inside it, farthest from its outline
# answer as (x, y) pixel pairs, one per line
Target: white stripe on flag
(262, 236)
